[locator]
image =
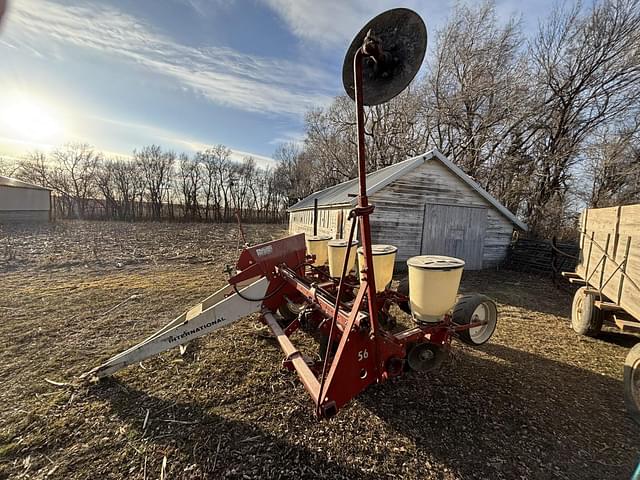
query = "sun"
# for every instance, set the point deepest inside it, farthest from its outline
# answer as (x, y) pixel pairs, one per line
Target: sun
(29, 119)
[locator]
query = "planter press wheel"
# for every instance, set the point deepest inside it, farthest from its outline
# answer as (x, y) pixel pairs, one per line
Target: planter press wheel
(289, 311)
(474, 308)
(426, 357)
(586, 318)
(632, 383)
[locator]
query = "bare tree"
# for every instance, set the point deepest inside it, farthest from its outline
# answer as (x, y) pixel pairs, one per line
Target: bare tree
(106, 185)
(214, 161)
(87, 185)
(189, 183)
(475, 94)
(8, 167)
(587, 72)
(74, 174)
(294, 173)
(34, 168)
(157, 170)
(393, 132)
(613, 168)
(129, 183)
(330, 142)
(240, 188)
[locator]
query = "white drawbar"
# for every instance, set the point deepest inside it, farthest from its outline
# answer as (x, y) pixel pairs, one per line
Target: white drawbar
(217, 311)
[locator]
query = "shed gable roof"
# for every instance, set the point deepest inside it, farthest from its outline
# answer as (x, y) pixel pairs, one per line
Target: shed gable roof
(15, 183)
(345, 193)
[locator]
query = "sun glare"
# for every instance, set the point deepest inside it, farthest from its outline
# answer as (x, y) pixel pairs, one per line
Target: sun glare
(28, 119)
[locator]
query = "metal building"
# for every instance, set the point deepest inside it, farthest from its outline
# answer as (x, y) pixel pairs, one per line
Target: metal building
(23, 202)
(424, 205)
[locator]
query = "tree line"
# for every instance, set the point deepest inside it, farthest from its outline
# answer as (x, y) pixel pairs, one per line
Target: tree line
(156, 184)
(547, 124)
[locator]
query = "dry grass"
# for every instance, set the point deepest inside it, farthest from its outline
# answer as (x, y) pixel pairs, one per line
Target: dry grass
(537, 402)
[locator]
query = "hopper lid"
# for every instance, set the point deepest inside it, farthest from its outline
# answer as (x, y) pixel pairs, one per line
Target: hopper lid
(318, 238)
(342, 243)
(436, 262)
(379, 249)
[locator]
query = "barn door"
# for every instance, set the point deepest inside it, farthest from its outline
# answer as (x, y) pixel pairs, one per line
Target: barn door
(455, 231)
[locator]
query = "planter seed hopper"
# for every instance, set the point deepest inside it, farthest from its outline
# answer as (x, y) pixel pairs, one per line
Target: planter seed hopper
(288, 282)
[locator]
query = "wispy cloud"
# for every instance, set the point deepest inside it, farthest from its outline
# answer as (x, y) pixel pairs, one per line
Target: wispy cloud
(171, 140)
(289, 136)
(236, 155)
(16, 149)
(222, 75)
(332, 23)
(205, 8)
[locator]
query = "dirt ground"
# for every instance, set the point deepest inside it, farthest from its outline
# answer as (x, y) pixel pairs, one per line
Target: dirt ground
(536, 402)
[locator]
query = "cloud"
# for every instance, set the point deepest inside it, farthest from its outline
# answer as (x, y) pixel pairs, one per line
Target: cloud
(333, 23)
(236, 155)
(222, 75)
(170, 140)
(15, 148)
(261, 160)
(206, 8)
(289, 136)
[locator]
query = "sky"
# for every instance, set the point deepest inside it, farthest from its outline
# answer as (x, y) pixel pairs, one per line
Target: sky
(184, 74)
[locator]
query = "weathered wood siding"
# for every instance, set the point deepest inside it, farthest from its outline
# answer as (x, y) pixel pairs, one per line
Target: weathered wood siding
(400, 206)
(607, 237)
(398, 218)
(331, 221)
(455, 230)
(497, 239)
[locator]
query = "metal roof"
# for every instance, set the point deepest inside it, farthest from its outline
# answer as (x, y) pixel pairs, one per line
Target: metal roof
(344, 194)
(15, 183)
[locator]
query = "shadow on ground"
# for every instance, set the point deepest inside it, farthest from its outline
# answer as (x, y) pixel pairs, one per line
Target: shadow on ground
(220, 447)
(535, 293)
(505, 413)
(615, 337)
(493, 413)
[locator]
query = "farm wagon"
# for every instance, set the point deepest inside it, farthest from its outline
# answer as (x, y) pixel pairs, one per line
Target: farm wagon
(608, 271)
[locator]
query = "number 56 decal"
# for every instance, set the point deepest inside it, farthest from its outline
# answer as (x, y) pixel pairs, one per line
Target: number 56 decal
(363, 355)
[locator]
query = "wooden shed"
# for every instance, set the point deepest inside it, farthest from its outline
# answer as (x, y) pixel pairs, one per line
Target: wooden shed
(23, 202)
(424, 205)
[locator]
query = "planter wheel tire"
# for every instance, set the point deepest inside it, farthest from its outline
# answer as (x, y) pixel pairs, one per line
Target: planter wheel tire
(632, 383)
(403, 288)
(472, 308)
(586, 318)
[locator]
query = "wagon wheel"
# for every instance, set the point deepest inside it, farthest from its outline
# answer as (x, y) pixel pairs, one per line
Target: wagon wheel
(586, 318)
(474, 308)
(632, 383)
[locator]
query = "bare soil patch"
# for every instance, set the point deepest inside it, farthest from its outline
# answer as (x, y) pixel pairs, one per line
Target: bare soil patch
(536, 402)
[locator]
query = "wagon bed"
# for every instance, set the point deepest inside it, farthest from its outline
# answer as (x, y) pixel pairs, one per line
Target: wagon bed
(609, 262)
(609, 271)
